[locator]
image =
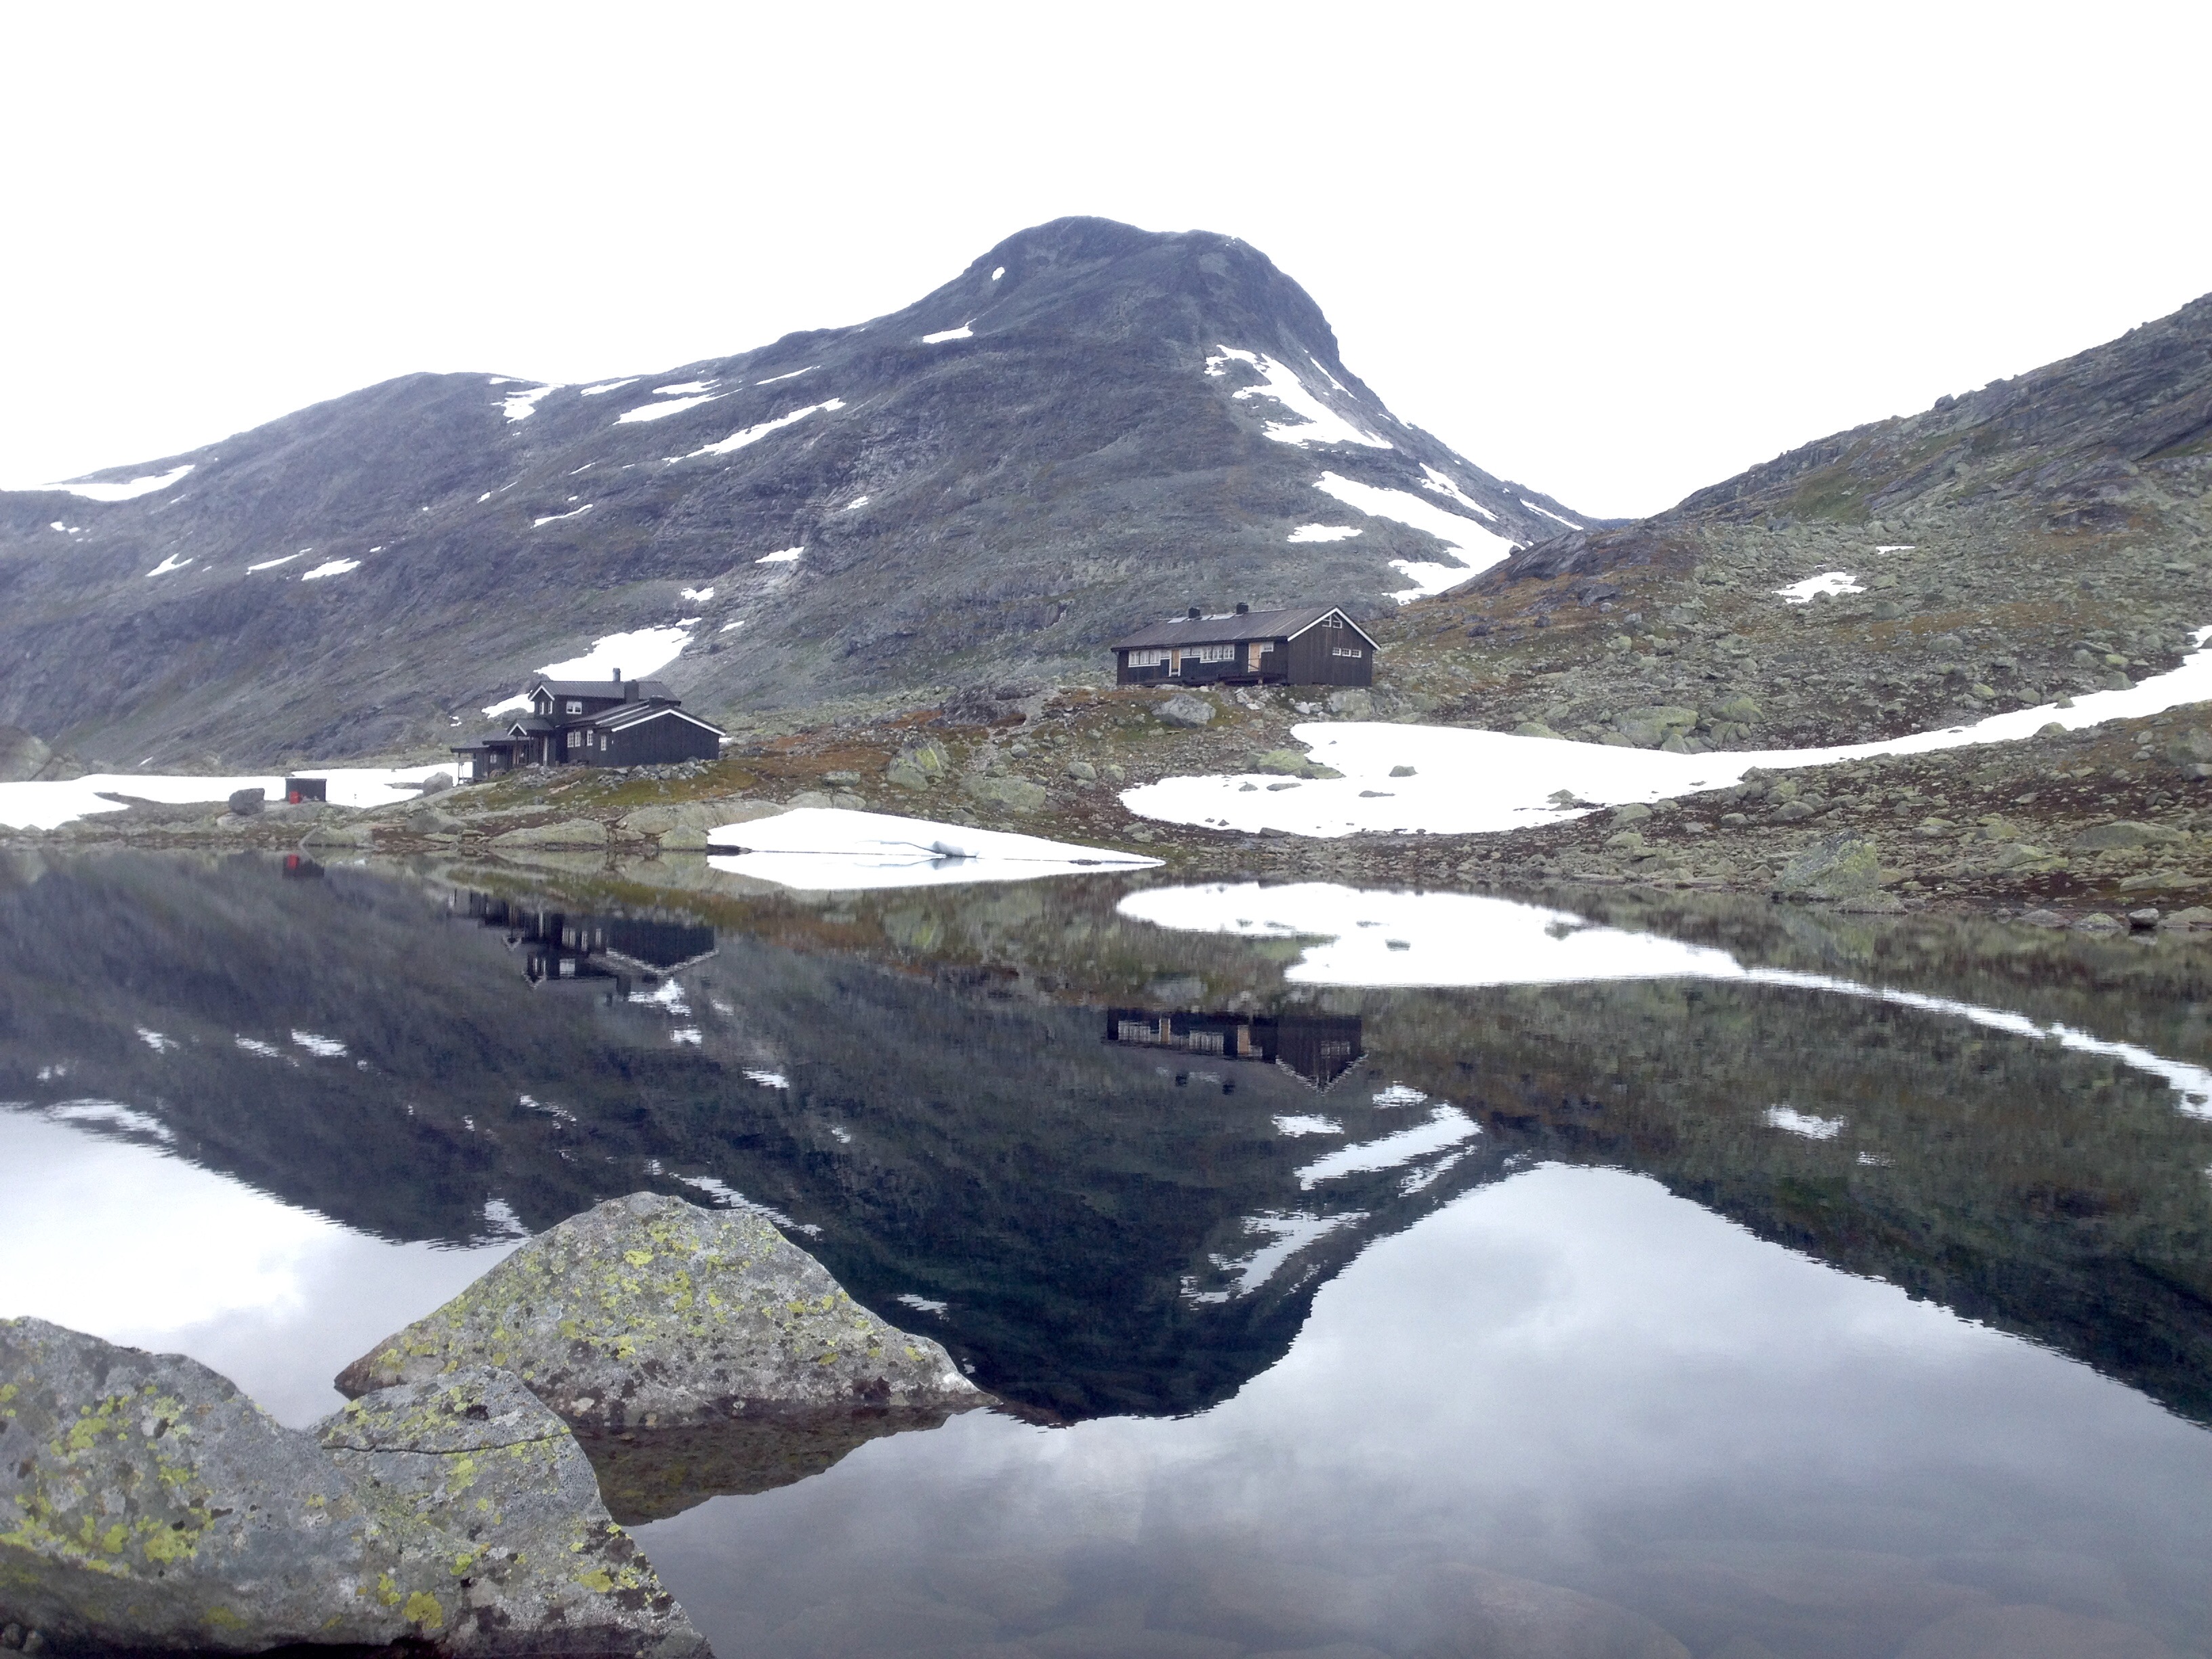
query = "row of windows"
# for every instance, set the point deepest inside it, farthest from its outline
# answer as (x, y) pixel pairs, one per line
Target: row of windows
(1159, 658)
(1344, 651)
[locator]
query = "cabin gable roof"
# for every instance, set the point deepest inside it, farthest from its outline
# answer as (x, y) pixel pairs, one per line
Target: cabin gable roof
(1233, 629)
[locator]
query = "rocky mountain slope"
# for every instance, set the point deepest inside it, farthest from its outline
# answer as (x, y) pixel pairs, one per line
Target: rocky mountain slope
(1088, 428)
(2046, 535)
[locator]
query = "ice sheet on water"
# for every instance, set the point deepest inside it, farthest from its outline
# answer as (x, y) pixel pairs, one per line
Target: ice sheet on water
(1286, 1235)
(834, 849)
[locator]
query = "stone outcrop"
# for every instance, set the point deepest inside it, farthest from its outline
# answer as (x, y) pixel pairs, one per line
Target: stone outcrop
(1185, 710)
(647, 1312)
(146, 1503)
(504, 1542)
(574, 832)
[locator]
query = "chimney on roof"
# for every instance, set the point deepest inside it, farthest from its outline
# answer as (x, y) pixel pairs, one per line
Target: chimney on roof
(617, 677)
(1242, 609)
(1193, 613)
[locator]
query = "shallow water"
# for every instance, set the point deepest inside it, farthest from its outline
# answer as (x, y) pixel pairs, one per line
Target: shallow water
(1364, 1272)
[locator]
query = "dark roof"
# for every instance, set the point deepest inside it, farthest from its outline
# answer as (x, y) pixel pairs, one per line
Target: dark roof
(1227, 630)
(633, 690)
(637, 713)
(529, 724)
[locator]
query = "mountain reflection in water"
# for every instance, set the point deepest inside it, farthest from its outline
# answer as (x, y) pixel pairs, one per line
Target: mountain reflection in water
(367, 1075)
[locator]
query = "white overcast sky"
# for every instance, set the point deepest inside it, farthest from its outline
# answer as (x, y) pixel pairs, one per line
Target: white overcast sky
(1616, 253)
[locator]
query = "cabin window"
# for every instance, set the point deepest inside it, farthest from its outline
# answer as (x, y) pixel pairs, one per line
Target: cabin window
(1209, 654)
(574, 706)
(1344, 651)
(1148, 659)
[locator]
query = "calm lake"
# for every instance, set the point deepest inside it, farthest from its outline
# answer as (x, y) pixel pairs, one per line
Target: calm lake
(1362, 1273)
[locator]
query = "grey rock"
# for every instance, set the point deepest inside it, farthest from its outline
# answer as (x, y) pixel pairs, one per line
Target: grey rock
(1649, 727)
(1351, 702)
(1185, 710)
(1633, 812)
(1401, 771)
(1839, 867)
(247, 802)
(809, 798)
(437, 783)
(2041, 919)
(432, 1460)
(904, 775)
(335, 836)
(1015, 794)
(2099, 922)
(573, 832)
(684, 839)
(1083, 771)
(2123, 833)
(2195, 916)
(1535, 729)
(660, 818)
(146, 1503)
(649, 1312)
(22, 756)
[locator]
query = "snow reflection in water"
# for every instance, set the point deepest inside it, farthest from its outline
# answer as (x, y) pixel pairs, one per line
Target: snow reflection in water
(1436, 939)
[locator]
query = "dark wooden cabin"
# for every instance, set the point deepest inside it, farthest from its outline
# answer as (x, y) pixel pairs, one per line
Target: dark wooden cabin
(611, 722)
(1312, 645)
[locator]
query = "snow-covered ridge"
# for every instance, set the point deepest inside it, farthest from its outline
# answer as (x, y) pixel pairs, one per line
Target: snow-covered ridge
(753, 434)
(1471, 782)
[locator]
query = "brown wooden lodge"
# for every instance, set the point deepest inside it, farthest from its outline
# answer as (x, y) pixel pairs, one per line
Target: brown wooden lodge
(615, 722)
(1312, 645)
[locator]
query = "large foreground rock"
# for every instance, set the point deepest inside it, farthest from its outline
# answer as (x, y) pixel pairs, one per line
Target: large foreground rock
(504, 1545)
(648, 1312)
(146, 1506)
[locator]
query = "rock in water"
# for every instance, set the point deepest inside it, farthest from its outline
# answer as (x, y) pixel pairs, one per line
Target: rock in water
(434, 1461)
(146, 1503)
(648, 1312)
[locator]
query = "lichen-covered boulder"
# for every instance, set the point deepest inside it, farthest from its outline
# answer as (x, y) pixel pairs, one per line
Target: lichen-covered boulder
(146, 1503)
(1839, 866)
(504, 1545)
(649, 1312)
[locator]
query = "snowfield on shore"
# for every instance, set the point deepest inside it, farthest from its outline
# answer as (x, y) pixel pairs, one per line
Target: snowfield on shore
(45, 805)
(1472, 782)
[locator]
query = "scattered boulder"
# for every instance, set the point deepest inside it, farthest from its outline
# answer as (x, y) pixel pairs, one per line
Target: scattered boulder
(432, 1459)
(1837, 867)
(430, 822)
(436, 784)
(1185, 710)
(1401, 772)
(659, 820)
(919, 766)
(902, 774)
(2195, 916)
(247, 802)
(2099, 922)
(1536, 729)
(1283, 762)
(1351, 702)
(2123, 833)
(1082, 771)
(335, 834)
(809, 798)
(1015, 794)
(650, 1312)
(2040, 918)
(1634, 812)
(684, 839)
(1738, 710)
(1651, 727)
(573, 832)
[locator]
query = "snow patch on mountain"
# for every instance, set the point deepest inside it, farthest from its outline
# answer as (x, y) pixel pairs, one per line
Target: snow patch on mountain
(1478, 548)
(662, 411)
(605, 387)
(789, 556)
(172, 563)
(794, 375)
(965, 331)
(637, 653)
(330, 567)
(128, 490)
(1323, 533)
(521, 405)
(753, 434)
(1316, 422)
